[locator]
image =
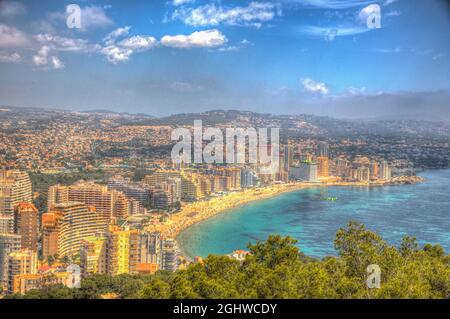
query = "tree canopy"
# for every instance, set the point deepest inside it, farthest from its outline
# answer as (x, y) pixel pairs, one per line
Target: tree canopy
(276, 268)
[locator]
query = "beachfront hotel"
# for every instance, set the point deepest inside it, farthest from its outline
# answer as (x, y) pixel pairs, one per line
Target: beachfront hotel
(108, 203)
(67, 225)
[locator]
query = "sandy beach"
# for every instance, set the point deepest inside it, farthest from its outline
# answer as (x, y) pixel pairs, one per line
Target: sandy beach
(192, 213)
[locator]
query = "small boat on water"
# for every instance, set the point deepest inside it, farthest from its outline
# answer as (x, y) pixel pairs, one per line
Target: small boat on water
(329, 199)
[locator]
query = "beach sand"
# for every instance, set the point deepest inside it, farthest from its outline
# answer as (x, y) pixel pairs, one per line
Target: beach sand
(192, 213)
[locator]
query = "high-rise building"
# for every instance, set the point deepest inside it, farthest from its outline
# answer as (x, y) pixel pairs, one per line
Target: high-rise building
(26, 218)
(323, 166)
(288, 158)
(374, 170)
(6, 224)
(173, 185)
(67, 225)
(305, 171)
(121, 205)
(205, 185)
(9, 243)
(166, 194)
(132, 190)
(50, 234)
(341, 167)
(190, 188)
(161, 199)
(170, 255)
(323, 149)
(385, 171)
(150, 248)
(160, 176)
(363, 174)
(93, 255)
(235, 174)
(248, 178)
(21, 263)
(15, 187)
(108, 203)
(122, 251)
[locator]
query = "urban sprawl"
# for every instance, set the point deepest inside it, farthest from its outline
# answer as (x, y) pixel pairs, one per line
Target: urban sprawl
(96, 191)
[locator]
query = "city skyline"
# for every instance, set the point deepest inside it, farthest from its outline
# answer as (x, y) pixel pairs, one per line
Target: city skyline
(283, 57)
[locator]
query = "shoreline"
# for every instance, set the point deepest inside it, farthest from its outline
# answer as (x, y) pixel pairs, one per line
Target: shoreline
(196, 212)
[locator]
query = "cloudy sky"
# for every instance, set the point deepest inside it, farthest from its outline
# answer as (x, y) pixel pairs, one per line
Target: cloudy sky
(173, 56)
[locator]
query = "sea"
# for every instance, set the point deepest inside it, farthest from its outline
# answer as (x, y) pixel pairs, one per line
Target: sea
(314, 215)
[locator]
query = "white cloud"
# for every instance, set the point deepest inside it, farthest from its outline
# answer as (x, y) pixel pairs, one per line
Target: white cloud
(139, 43)
(394, 13)
(381, 50)
(199, 39)
(236, 47)
(312, 86)
(438, 56)
(93, 16)
(42, 59)
(12, 37)
(231, 48)
(64, 44)
(388, 2)
(181, 2)
(255, 14)
(330, 33)
(119, 32)
(11, 8)
(117, 52)
(10, 58)
(334, 4)
(56, 63)
(356, 91)
(367, 19)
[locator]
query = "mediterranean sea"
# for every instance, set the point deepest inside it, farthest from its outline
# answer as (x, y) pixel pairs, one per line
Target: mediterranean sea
(420, 210)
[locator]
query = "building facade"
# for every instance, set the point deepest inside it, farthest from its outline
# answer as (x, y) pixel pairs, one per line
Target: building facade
(26, 217)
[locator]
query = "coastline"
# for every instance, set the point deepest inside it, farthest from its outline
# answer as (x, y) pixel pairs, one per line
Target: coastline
(193, 213)
(196, 212)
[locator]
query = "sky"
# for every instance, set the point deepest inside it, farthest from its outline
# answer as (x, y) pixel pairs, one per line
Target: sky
(325, 57)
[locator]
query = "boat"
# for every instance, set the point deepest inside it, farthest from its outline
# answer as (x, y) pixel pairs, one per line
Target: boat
(329, 199)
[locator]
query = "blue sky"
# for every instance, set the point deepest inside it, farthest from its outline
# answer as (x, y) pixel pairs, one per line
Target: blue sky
(165, 57)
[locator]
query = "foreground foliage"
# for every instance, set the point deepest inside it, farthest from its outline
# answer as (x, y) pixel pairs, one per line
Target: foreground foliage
(277, 269)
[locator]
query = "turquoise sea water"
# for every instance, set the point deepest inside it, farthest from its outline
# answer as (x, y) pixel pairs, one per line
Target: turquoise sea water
(421, 210)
